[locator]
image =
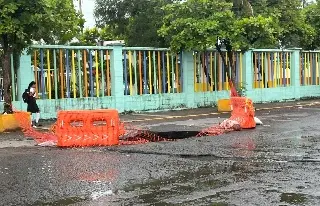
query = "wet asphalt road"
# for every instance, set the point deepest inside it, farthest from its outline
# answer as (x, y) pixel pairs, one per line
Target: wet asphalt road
(283, 169)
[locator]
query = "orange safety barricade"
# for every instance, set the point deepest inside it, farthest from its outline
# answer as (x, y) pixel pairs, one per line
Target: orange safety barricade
(88, 128)
(23, 119)
(243, 112)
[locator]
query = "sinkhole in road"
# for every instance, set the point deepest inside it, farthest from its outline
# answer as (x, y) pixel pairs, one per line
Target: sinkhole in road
(176, 134)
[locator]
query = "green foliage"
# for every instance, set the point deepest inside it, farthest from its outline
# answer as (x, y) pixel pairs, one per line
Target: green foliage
(196, 23)
(90, 37)
(24, 21)
(255, 32)
(137, 21)
(294, 29)
(311, 14)
(248, 23)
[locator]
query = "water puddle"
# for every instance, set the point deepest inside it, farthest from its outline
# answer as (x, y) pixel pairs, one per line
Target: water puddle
(65, 201)
(97, 195)
(293, 198)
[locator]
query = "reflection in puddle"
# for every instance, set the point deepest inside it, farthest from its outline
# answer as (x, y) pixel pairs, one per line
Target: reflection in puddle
(97, 195)
(103, 177)
(246, 143)
(293, 198)
(66, 201)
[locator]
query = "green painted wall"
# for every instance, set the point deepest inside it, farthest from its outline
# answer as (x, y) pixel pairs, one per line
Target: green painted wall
(187, 99)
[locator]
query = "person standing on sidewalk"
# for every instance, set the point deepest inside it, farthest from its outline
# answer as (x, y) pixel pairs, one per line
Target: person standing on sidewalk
(29, 97)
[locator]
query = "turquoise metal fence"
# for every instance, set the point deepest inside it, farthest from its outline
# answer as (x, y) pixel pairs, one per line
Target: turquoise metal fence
(209, 71)
(136, 79)
(151, 71)
(271, 68)
(71, 71)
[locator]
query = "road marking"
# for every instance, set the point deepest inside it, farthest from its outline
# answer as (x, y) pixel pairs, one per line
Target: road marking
(217, 113)
(276, 107)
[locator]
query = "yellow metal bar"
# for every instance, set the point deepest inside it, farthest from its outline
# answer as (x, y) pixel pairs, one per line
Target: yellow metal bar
(35, 67)
(305, 69)
(220, 73)
(262, 70)
(159, 72)
(140, 73)
(108, 73)
(287, 68)
(48, 74)
(227, 82)
(211, 71)
(281, 69)
(269, 70)
(177, 74)
(150, 73)
(97, 74)
(310, 68)
(203, 74)
(85, 72)
(61, 74)
(195, 72)
(317, 70)
(275, 69)
(73, 75)
(256, 74)
(168, 72)
(241, 75)
(130, 72)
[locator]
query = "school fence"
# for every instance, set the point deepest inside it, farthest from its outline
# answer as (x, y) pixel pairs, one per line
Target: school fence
(138, 79)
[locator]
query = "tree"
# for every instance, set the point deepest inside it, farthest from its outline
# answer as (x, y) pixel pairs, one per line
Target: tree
(137, 21)
(114, 13)
(242, 8)
(295, 31)
(91, 37)
(196, 24)
(311, 14)
(22, 21)
(255, 32)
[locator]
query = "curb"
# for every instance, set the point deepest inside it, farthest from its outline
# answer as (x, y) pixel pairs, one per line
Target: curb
(217, 113)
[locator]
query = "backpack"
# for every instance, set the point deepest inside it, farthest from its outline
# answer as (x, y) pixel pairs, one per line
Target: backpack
(25, 97)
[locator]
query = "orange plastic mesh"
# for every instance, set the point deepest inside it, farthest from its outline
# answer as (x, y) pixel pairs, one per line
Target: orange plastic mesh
(243, 112)
(23, 119)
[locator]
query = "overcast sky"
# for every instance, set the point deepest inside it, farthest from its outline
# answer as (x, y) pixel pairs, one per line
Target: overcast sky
(87, 9)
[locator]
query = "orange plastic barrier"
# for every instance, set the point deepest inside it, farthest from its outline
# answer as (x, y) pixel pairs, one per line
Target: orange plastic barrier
(88, 128)
(243, 112)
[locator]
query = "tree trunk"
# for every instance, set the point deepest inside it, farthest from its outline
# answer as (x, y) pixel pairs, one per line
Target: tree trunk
(6, 81)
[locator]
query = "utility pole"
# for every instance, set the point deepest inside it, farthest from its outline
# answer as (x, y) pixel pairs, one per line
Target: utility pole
(80, 6)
